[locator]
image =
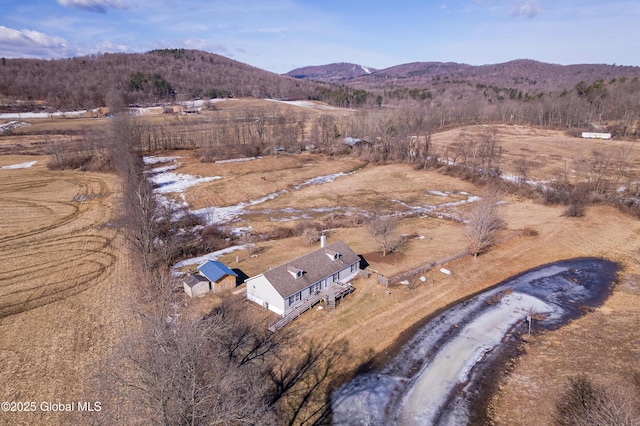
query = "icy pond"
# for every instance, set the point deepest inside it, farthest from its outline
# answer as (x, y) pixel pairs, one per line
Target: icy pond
(437, 375)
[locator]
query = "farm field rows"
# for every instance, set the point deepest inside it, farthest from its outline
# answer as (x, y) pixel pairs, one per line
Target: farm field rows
(61, 284)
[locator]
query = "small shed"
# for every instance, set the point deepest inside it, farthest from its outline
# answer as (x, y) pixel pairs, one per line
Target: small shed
(220, 277)
(196, 285)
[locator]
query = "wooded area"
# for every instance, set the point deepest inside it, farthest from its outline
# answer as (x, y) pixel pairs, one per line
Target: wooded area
(518, 92)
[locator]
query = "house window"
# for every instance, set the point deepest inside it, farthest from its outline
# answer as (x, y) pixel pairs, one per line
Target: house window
(295, 298)
(295, 272)
(333, 255)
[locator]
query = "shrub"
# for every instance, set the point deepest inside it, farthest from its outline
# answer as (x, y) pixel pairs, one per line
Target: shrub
(584, 403)
(312, 235)
(69, 161)
(578, 200)
(214, 237)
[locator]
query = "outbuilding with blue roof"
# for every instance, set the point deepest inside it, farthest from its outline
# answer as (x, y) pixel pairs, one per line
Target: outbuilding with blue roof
(212, 277)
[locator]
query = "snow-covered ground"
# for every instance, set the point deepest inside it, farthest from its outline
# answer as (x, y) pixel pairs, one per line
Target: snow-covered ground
(20, 165)
(12, 125)
(452, 345)
(150, 159)
(438, 209)
(209, 256)
(28, 115)
(166, 181)
(304, 104)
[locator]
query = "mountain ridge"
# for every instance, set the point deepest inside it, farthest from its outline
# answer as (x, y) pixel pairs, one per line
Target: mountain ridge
(516, 73)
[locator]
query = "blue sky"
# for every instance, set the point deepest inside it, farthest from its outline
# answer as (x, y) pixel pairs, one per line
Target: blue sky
(280, 35)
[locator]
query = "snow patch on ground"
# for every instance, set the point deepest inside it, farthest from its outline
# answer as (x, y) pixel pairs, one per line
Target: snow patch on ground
(10, 125)
(20, 165)
(26, 115)
(426, 209)
(204, 102)
(167, 182)
(163, 169)
(304, 104)
(209, 256)
(150, 159)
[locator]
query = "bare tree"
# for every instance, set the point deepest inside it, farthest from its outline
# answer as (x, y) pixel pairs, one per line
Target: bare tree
(177, 367)
(484, 222)
(138, 210)
(383, 227)
(311, 234)
(522, 170)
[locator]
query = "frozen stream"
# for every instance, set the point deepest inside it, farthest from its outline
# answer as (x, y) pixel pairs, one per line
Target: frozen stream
(436, 375)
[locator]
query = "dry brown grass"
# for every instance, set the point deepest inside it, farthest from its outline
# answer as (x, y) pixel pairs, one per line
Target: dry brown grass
(48, 346)
(547, 151)
(372, 320)
(62, 283)
(254, 179)
(603, 345)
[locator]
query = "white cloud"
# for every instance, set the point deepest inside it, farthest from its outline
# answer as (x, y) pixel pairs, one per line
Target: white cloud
(107, 46)
(29, 43)
(526, 9)
(98, 6)
(200, 44)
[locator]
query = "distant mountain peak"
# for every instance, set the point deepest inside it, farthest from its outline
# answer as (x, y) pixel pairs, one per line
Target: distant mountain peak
(516, 76)
(340, 71)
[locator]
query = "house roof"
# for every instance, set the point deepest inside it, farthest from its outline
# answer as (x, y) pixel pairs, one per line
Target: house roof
(214, 270)
(193, 280)
(316, 266)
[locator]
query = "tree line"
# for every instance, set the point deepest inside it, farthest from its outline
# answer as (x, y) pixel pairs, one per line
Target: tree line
(610, 100)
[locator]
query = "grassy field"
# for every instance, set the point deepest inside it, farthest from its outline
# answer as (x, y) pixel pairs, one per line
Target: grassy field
(63, 278)
(62, 286)
(548, 152)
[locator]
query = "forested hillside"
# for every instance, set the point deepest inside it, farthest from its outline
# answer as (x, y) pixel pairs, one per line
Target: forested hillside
(587, 96)
(596, 96)
(159, 75)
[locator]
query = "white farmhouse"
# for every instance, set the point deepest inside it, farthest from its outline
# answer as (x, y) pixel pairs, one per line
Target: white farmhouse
(283, 288)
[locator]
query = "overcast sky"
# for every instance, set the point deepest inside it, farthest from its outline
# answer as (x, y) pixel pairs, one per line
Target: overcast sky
(280, 35)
